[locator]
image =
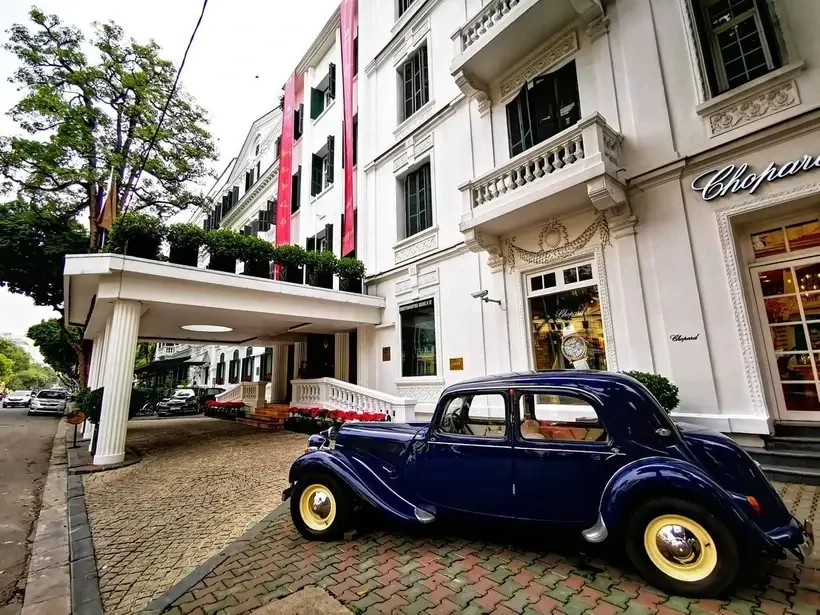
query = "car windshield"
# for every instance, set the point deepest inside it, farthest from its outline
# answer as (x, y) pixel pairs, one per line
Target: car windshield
(20, 394)
(51, 395)
(184, 393)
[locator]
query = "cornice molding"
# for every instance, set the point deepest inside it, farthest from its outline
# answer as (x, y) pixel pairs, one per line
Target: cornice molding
(249, 198)
(398, 39)
(319, 42)
(552, 53)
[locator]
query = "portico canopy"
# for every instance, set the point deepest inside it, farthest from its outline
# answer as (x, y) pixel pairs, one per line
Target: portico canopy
(121, 300)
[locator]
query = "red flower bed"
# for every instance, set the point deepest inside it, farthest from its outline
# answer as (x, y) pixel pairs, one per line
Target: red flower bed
(341, 416)
(225, 404)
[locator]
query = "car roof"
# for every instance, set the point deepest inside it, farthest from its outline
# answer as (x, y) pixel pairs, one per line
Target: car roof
(558, 377)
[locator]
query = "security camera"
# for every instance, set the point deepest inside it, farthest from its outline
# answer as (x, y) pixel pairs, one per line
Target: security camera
(480, 294)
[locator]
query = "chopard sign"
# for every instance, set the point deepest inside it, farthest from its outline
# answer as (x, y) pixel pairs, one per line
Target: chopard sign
(734, 178)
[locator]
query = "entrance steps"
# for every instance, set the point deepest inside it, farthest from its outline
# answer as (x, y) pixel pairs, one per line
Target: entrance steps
(792, 454)
(270, 417)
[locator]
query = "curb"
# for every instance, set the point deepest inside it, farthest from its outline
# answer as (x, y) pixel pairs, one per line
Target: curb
(85, 584)
(48, 585)
(163, 602)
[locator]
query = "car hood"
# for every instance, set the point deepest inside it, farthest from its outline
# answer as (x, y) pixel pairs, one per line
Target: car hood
(733, 469)
(387, 443)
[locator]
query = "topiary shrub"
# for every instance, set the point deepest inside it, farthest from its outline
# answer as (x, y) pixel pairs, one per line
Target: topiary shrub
(257, 254)
(89, 402)
(185, 241)
(291, 258)
(321, 267)
(137, 234)
(351, 272)
(225, 248)
(660, 386)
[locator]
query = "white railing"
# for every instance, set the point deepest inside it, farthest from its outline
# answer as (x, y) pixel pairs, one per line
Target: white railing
(590, 137)
(490, 15)
(332, 394)
(251, 393)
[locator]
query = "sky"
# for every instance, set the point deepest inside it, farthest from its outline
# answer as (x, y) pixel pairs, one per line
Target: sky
(240, 59)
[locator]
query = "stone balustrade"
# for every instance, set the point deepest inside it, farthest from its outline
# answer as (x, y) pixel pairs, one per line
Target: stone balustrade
(333, 394)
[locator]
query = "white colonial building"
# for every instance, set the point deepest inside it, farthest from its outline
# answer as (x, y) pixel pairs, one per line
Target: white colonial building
(540, 184)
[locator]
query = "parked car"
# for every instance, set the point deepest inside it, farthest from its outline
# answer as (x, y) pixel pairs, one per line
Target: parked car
(48, 401)
(591, 451)
(189, 400)
(18, 399)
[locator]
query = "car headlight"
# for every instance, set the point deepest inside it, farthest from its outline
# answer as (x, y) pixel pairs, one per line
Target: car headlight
(35, 403)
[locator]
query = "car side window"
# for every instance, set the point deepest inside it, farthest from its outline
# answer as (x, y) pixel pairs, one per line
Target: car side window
(480, 415)
(558, 418)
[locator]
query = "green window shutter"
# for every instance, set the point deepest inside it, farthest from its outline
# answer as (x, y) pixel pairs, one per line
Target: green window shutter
(317, 103)
(330, 158)
(331, 80)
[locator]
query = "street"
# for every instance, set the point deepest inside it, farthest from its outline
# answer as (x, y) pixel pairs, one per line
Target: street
(25, 448)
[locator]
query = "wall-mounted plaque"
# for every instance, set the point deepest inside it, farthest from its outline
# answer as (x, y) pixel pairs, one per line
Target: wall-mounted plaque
(386, 353)
(456, 364)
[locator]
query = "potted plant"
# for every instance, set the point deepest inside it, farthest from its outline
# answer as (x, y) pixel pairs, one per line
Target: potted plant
(321, 265)
(256, 254)
(137, 234)
(185, 241)
(351, 272)
(225, 248)
(291, 258)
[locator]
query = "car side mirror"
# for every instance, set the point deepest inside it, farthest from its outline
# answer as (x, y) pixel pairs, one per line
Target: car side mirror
(663, 432)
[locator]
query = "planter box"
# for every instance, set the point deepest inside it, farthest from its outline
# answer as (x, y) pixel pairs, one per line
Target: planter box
(257, 269)
(320, 280)
(294, 275)
(350, 286)
(184, 256)
(222, 263)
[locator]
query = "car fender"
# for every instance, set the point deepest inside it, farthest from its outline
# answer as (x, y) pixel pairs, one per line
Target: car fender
(641, 478)
(361, 479)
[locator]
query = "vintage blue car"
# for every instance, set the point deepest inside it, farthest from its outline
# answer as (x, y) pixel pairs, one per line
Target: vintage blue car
(592, 451)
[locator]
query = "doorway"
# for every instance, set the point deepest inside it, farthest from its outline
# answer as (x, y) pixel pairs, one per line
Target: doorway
(321, 353)
(787, 295)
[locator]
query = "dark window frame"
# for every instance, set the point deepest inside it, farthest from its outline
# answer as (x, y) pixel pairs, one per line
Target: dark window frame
(403, 6)
(418, 200)
(408, 361)
(415, 82)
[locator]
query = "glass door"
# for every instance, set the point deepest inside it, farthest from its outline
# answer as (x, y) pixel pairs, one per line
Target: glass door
(788, 301)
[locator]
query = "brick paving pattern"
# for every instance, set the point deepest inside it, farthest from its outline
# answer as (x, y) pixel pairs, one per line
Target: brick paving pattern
(202, 482)
(398, 572)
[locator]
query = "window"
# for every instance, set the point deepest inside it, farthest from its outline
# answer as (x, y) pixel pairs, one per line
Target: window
(233, 368)
(558, 418)
(355, 139)
(356, 55)
(404, 5)
(418, 201)
(321, 174)
(418, 339)
(220, 369)
(295, 190)
(566, 319)
(266, 366)
(298, 122)
(247, 366)
(738, 41)
(482, 415)
(800, 236)
(543, 108)
(324, 94)
(416, 87)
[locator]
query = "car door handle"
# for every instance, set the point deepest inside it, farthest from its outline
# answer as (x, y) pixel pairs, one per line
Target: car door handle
(613, 453)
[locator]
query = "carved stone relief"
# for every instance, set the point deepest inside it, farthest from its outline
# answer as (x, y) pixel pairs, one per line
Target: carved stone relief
(546, 59)
(781, 96)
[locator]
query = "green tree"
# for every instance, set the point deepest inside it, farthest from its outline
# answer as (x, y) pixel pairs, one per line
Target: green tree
(57, 344)
(91, 106)
(145, 353)
(19, 358)
(35, 377)
(6, 370)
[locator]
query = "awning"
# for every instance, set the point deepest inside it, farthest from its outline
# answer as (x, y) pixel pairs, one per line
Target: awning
(155, 367)
(259, 311)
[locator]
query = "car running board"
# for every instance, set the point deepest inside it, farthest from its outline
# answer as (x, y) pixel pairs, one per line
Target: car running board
(424, 516)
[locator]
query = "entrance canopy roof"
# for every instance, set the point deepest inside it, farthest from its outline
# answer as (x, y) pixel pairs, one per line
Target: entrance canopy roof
(259, 311)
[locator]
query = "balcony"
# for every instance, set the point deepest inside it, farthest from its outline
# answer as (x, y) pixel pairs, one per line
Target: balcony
(505, 32)
(574, 168)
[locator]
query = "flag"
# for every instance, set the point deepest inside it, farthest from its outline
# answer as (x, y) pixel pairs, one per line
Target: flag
(108, 211)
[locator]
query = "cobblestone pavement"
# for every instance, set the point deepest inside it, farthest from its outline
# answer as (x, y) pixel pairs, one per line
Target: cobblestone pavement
(200, 484)
(397, 572)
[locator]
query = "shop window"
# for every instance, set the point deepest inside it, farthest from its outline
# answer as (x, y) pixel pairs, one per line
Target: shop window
(544, 107)
(787, 238)
(791, 307)
(418, 201)
(415, 82)
(567, 324)
(482, 416)
(558, 418)
(738, 41)
(418, 339)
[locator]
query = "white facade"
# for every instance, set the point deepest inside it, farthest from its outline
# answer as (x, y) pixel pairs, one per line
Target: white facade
(677, 289)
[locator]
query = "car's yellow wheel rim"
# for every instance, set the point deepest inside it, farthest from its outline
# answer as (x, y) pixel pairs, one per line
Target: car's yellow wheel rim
(680, 547)
(317, 507)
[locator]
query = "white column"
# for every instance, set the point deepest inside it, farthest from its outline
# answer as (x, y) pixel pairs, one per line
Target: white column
(121, 347)
(99, 373)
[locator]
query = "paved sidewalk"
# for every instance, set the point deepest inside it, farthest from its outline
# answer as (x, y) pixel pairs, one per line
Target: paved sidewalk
(201, 483)
(398, 572)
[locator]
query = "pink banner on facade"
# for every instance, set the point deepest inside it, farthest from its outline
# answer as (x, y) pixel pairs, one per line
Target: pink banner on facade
(283, 200)
(349, 20)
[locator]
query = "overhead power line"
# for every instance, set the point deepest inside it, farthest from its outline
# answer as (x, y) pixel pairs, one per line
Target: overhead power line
(167, 102)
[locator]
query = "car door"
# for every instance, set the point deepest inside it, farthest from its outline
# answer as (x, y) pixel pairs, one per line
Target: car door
(563, 456)
(465, 464)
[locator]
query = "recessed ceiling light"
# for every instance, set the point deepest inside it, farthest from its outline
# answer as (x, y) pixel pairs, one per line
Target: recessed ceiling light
(207, 328)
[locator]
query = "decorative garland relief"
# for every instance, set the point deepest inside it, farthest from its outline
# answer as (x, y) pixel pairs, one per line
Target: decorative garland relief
(554, 243)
